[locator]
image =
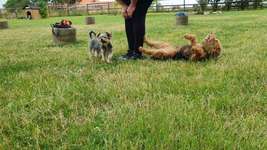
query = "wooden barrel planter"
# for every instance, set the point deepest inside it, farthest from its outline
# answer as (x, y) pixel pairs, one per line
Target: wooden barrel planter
(89, 20)
(3, 24)
(181, 19)
(64, 35)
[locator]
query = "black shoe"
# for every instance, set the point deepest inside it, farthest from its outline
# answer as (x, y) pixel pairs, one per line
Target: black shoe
(131, 56)
(127, 56)
(137, 55)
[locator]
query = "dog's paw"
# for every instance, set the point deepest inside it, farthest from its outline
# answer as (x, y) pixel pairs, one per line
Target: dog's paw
(189, 36)
(109, 61)
(141, 49)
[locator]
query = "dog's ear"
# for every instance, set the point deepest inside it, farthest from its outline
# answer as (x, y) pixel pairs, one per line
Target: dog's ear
(213, 34)
(92, 34)
(98, 34)
(109, 34)
(218, 44)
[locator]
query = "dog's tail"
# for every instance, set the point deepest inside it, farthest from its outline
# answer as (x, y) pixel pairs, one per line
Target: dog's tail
(92, 34)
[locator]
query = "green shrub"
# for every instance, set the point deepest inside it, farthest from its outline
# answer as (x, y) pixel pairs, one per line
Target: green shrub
(43, 8)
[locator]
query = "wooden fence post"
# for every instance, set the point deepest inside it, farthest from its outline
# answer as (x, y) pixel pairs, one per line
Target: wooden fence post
(87, 10)
(184, 5)
(108, 7)
(67, 9)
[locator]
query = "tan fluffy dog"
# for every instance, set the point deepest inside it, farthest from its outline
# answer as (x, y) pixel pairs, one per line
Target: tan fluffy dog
(209, 48)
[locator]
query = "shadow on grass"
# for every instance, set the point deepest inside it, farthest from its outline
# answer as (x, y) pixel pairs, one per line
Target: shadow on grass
(78, 43)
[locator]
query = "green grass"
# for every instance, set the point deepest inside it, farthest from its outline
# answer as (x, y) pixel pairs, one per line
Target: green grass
(56, 97)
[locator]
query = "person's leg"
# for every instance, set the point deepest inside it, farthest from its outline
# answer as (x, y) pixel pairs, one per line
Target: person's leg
(139, 33)
(139, 20)
(130, 35)
(135, 31)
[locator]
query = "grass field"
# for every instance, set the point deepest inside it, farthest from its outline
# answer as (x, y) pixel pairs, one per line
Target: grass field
(56, 97)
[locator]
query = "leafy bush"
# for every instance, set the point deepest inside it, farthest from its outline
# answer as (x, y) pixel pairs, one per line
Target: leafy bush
(43, 8)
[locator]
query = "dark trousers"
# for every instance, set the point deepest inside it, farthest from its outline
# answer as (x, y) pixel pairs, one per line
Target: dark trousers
(135, 28)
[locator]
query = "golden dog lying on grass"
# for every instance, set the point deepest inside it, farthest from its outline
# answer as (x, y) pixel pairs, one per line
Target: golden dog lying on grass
(209, 48)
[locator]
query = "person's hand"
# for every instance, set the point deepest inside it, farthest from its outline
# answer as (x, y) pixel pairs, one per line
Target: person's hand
(130, 10)
(124, 12)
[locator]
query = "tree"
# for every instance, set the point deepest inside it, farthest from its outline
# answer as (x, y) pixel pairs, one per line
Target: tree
(65, 1)
(14, 5)
(243, 4)
(214, 4)
(157, 4)
(17, 4)
(257, 3)
(202, 6)
(43, 8)
(228, 4)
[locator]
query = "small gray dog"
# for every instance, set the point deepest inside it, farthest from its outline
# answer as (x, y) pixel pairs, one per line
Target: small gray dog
(100, 45)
